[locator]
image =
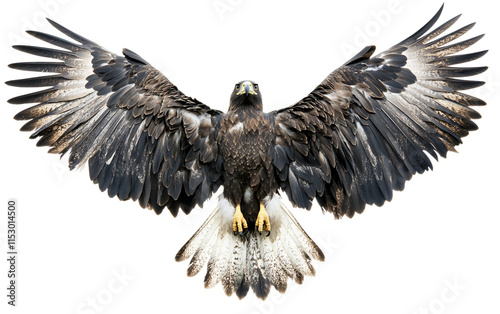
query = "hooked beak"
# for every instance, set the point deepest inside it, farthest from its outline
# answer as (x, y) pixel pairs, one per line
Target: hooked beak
(247, 88)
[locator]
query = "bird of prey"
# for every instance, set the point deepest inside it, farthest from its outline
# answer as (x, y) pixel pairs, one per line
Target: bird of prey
(366, 129)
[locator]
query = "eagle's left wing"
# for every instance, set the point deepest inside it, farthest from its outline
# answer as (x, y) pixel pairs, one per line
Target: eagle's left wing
(367, 127)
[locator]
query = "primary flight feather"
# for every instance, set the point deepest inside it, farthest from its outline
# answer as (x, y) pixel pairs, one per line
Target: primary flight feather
(364, 131)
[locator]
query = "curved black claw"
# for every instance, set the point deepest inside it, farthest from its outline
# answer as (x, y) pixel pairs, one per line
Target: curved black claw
(235, 233)
(257, 228)
(260, 232)
(244, 232)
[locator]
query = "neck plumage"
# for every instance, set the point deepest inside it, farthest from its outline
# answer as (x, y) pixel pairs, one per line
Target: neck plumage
(245, 104)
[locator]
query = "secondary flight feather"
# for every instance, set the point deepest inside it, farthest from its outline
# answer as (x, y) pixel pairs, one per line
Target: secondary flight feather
(360, 135)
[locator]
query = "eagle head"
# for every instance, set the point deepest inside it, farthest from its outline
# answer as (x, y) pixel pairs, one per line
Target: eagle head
(246, 94)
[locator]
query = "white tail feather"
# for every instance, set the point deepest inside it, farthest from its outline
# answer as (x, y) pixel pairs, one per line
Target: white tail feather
(251, 260)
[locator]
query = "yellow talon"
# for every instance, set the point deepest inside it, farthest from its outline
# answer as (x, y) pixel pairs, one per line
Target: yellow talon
(239, 222)
(263, 219)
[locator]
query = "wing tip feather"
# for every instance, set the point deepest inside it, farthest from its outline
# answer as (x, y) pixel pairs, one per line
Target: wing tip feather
(426, 27)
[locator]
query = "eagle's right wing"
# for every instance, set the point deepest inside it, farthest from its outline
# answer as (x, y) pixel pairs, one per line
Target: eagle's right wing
(142, 137)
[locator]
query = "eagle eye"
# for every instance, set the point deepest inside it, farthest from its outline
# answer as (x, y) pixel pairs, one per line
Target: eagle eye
(256, 86)
(237, 86)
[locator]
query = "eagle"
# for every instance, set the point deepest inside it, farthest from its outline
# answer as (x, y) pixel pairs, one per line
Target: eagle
(358, 136)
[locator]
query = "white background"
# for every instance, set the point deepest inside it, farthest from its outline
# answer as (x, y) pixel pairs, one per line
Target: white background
(442, 231)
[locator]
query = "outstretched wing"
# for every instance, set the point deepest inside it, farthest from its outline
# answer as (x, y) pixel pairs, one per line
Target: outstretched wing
(142, 137)
(367, 127)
